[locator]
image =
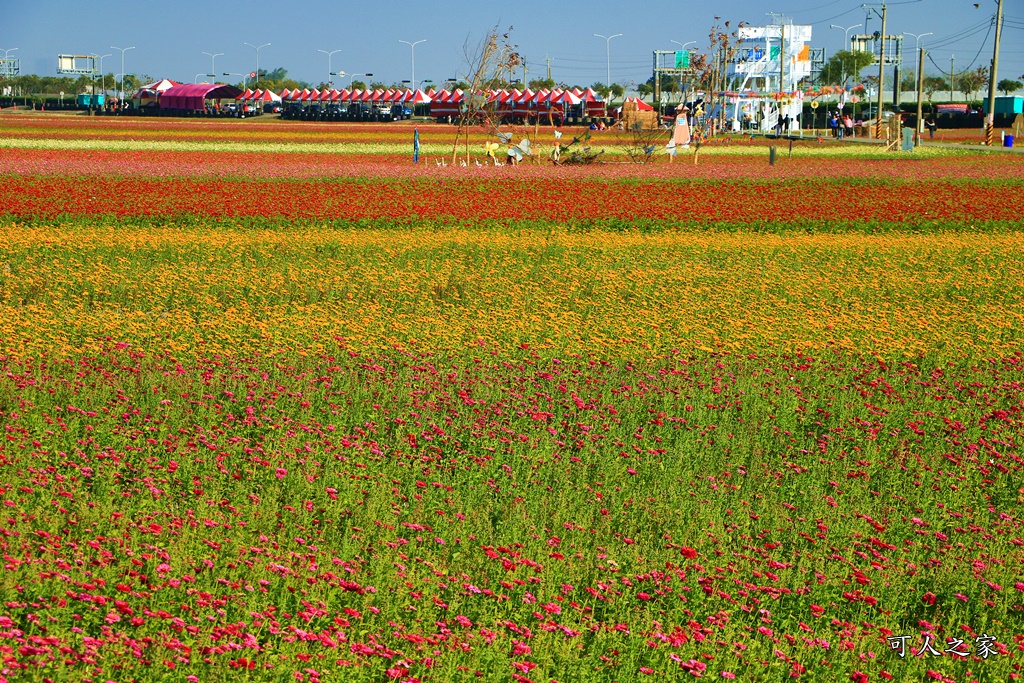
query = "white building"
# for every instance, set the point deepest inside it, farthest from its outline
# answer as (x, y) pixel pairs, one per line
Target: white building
(767, 53)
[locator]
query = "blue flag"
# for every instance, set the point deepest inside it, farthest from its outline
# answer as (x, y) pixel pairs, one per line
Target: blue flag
(416, 146)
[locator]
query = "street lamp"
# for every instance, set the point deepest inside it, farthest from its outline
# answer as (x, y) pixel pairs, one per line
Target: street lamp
(213, 62)
(329, 72)
(103, 76)
(245, 79)
(917, 46)
(413, 50)
(123, 50)
(351, 77)
(258, 48)
(608, 55)
(846, 37)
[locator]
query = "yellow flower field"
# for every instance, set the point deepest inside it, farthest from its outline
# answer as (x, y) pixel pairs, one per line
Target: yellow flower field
(67, 288)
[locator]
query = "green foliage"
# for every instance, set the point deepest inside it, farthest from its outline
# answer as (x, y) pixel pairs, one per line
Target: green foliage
(1008, 85)
(932, 84)
(971, 82)
(538, 83)
(843, 66)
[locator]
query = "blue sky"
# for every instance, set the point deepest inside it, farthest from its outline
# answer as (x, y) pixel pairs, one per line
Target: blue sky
(171, 36)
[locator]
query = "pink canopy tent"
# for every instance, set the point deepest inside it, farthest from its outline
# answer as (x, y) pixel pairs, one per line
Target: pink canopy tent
(244, 95)
(193, 96)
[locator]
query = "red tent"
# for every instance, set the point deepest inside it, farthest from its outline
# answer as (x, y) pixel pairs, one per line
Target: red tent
(245, 95)
(640, 104)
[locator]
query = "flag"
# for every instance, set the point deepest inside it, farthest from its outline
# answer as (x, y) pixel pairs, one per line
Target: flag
(416, 145)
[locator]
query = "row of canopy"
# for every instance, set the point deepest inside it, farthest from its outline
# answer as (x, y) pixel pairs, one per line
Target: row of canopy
(448, 103)
(442, 102)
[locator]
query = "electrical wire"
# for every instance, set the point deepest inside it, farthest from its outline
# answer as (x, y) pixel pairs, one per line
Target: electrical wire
(960, 35)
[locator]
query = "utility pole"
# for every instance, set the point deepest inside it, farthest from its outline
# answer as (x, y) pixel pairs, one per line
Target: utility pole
(920, 92)
(881, 77)
(952, 77)
(548, 61)
(897, 86)
(990, 118)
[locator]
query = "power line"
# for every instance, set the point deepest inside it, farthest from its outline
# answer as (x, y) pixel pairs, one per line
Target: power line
(960, 35)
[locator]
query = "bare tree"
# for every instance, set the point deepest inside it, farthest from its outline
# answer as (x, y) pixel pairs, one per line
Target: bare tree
(486, 65)
(710, 77)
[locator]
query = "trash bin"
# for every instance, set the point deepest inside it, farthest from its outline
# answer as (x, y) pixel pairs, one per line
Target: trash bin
(1008, 141)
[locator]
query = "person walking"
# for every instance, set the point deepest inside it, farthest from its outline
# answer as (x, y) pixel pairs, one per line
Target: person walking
(931, 125)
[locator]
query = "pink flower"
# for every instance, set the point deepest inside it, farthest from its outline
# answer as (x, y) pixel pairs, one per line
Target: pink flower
(728, 674)
(280, 472)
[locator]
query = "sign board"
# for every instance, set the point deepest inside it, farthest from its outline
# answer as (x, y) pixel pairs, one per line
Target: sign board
(77, 64)
(682, 59)
(9, 67)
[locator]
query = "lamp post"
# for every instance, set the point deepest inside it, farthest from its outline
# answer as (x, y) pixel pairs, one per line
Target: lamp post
(196, 80)
(245, 79)
(258, 48)
(412, 47)
(351, 77)
(213, 62)
(7, 52)
(846, 39)
(608, 55)
(917, 45)
(123, 50)
(103, 77)
(329, 72)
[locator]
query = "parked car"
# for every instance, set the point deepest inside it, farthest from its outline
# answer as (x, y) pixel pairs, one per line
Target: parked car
(872, 112)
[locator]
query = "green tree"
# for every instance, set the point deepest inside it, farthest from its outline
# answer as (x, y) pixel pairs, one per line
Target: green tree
(908, 80)
(843, 66)
(538, 83)
(1008, 85)
(359, 85)
(973, 81)
(933, 84)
